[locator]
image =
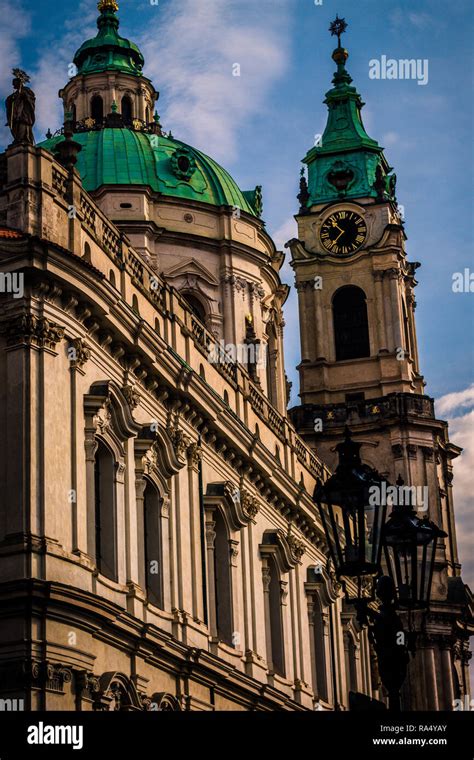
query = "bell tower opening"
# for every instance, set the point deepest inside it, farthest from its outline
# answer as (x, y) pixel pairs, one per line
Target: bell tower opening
(351, 328)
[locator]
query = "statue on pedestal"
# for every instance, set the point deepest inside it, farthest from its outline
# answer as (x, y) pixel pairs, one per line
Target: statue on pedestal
(20, 107)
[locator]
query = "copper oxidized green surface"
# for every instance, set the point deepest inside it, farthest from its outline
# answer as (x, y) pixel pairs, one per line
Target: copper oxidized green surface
(108, 51)
(344, 162)
(125, 157)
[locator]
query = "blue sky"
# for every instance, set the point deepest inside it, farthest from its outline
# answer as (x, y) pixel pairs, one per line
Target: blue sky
(261, 124)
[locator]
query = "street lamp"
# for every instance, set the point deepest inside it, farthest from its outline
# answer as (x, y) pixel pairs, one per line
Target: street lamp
(352, 521)
(352, 504)
(410, 551)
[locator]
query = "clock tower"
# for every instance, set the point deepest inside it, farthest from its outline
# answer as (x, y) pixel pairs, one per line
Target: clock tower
(359, 358)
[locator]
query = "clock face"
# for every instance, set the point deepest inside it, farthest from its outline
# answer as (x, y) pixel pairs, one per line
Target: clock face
(343, 232)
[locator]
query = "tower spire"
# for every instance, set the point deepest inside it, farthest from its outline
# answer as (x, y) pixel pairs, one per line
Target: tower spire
(108, 5)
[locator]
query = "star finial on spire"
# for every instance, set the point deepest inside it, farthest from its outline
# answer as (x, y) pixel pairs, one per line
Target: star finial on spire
(338, 27)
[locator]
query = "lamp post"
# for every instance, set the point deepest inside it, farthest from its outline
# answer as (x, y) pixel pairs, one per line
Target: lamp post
(352, 504)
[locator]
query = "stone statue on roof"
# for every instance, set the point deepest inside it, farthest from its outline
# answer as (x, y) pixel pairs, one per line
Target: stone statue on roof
(20, 107)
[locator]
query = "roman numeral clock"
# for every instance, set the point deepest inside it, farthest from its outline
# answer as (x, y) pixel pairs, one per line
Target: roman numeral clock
(343, 232)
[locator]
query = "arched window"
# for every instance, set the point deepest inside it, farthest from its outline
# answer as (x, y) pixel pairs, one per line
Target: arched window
(202, 372)
(147, 115)
(351, 330)
(135, 304)
(153, 549)
(157, 326)
(112, 277)
(87, 253)
(226, 398)
(127, 108)
(275, 618)
(97, 109)
(72, 111)
(222, 580)
(406, 329)
(196, 306)
(105, 512)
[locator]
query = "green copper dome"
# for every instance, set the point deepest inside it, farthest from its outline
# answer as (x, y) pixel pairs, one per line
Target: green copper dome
(108, 51)
(347, 163)
(125, 157)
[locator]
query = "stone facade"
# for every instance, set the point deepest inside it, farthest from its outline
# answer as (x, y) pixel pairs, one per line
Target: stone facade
(246, 596)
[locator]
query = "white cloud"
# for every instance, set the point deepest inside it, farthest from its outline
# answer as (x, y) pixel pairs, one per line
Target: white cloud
(461, 428)
(453, 401)
(11, 33)
(390, 138)
(52, 71)
(192, 62)
(285, 232)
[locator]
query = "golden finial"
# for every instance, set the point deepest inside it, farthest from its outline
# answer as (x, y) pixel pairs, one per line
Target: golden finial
(108, 5)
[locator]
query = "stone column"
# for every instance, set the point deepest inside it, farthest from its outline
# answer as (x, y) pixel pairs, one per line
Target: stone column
(394, 275)
(447, 670)
(303, 310)
(379, 305)
(211, 580)
(120, 532)
(194, 458)
(431, 687)
(165, 561)
(287, 639)
(266, 577)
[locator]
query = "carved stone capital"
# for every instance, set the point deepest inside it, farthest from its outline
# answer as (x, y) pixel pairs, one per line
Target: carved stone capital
(78, 352)
(29, 330)
(194, 454)
(179, 439)
(250, 504)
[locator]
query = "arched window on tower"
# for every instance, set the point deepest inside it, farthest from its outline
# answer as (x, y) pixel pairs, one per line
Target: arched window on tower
(153, 548)
(406, 329)
(97, 109)
(127, 108)
(105, 511)
(351, 329)
(147, 115)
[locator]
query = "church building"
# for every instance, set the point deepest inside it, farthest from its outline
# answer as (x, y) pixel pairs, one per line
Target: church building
(160, 548)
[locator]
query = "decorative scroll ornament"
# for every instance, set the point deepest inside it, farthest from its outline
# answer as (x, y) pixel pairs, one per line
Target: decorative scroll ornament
(103, 417)
(132, 396)
(297, 547)
(179, 439)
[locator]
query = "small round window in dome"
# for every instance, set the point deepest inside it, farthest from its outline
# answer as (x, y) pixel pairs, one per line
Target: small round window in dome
(183, 163)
